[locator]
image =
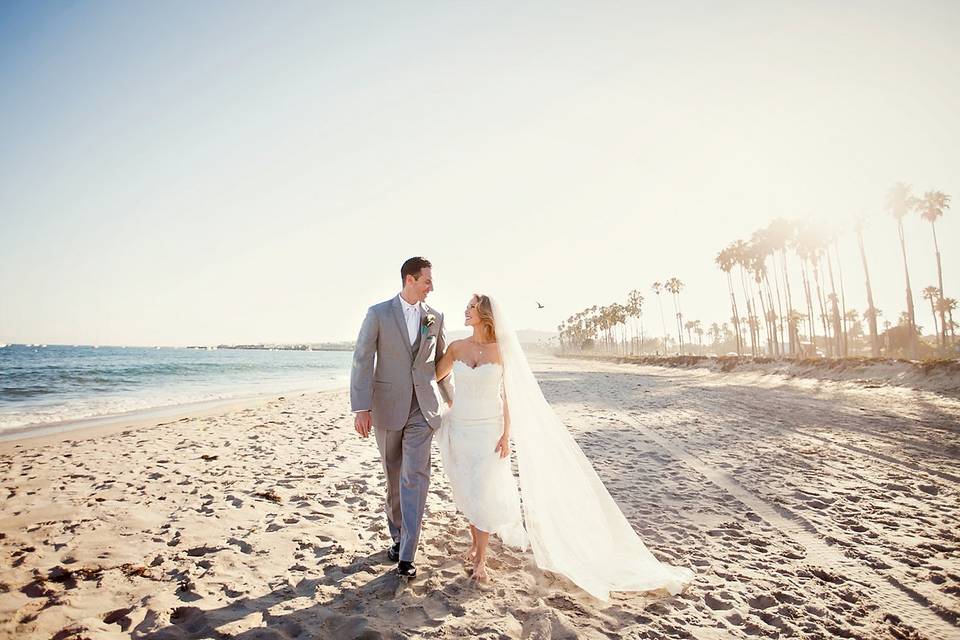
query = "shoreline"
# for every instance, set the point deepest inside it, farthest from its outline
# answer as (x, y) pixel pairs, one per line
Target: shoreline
(43, 434)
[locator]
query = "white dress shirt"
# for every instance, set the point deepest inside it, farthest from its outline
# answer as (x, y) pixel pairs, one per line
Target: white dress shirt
(411, 313)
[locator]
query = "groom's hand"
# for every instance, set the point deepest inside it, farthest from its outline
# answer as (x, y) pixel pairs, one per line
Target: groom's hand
(362, 423)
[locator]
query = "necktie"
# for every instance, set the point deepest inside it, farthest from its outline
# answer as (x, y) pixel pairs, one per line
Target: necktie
(411, 324)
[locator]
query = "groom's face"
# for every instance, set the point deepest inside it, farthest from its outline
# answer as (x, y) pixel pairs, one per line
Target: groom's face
(422, 286)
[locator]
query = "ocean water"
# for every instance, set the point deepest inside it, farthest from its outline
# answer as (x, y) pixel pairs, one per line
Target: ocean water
(45, 385)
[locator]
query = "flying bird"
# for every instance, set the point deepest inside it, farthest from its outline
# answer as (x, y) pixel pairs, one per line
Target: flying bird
(539, 306)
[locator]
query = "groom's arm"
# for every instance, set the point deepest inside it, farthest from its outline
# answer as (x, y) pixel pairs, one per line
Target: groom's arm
(361, 374)
(446, 383)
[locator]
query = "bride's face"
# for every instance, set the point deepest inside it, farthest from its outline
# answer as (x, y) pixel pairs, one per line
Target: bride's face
(471, 316)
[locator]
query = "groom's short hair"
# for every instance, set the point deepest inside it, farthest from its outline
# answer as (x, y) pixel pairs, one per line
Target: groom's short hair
(412, 267)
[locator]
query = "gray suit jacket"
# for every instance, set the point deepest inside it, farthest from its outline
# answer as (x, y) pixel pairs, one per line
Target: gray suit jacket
(386, 372)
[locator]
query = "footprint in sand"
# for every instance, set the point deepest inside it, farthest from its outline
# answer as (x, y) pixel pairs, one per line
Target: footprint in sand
(716, 603)
(240, 544)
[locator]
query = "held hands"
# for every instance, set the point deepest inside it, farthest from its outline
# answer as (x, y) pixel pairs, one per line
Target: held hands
(362, 423)
(503, 445)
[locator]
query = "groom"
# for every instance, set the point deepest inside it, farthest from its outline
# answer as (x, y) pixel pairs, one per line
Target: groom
(397, 395)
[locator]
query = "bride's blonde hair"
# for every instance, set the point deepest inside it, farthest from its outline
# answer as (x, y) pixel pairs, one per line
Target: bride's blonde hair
(485, 309)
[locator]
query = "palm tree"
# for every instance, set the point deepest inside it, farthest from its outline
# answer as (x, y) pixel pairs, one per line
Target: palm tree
(674, 285)
(618, 316)
(698, 329)
(852, 318)
(809, 245)
(725, 261)
(843, 297)
(900, 201)
(689, 326)
(811, 326)
(635, 310)
(817, 268)
(931, 207)
(656, 287)
(837, 321)
(755, 262)
(779, 233)
(871, 313)
(760, 248)
(932, 294)
(714, 332)
(740, 255)
(949, 304)
(603, 320)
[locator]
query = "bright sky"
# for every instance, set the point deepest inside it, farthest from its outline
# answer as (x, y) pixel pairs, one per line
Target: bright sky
(184, 173)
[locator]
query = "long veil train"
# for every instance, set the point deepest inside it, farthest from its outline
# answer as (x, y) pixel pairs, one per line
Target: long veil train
(574, 526)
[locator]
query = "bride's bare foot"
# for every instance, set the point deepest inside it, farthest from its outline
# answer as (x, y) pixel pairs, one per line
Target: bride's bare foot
(480, 572)
(470, 555)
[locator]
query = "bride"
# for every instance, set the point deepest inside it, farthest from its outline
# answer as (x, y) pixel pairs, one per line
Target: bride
(568, 517)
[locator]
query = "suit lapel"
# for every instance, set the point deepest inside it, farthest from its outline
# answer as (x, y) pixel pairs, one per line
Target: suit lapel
(402, 324)
(424, 339)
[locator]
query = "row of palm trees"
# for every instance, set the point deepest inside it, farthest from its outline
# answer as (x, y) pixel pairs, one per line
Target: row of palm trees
(619, 327)
(762, 297)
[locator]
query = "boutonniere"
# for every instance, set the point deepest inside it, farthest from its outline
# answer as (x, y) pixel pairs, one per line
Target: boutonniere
(428, 321)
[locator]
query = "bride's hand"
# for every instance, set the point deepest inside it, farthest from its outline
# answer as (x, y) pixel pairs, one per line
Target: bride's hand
(503, 445)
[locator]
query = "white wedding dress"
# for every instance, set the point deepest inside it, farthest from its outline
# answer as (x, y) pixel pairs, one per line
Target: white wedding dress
(484, 489)
(568, 518)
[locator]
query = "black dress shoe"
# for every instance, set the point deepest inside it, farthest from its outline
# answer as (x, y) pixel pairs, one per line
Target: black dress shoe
(406, 569)
(393, 553)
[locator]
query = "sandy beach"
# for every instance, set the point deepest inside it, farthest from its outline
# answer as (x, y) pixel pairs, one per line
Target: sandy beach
(807, 508)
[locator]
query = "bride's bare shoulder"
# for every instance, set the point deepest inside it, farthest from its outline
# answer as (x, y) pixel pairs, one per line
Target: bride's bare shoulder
(456, 345)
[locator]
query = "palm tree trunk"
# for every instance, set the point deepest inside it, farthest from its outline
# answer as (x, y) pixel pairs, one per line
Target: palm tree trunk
(871, 310)
(754, 317)
(766, 321)
(776, 282)
(911, 315)
(641, 334)
(736, 315)
(933, 309)
(750, 323)
(943, 320)
(663, 323)
(811, 323)
(843, 300)
(676, 308)
(953, 333)
(823, 306)
(791, 323)
(835, 312)
(772, 322)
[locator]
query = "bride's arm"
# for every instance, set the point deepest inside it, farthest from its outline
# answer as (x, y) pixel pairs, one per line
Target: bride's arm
(503, 444)
(445, 363)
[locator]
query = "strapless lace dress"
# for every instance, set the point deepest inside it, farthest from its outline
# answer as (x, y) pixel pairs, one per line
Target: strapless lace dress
(483, 485)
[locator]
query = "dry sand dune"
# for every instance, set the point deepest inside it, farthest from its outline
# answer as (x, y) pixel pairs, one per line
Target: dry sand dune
(807, 509)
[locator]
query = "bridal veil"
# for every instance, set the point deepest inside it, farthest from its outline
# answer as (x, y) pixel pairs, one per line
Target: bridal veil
(574, 526)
